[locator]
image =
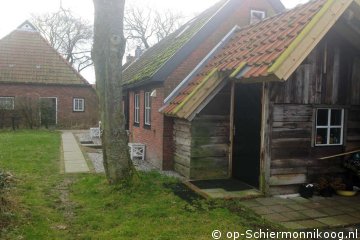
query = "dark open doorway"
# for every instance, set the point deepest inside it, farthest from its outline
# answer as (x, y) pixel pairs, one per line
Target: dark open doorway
(247, 127)
(48, 109)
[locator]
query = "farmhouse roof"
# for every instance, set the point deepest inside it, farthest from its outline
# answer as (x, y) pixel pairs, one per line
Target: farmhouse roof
(26, 57)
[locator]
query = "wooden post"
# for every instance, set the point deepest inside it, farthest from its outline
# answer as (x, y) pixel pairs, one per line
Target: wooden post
(265, 151)
(231, 135)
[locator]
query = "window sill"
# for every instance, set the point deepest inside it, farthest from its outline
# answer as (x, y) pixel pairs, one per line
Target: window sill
(148, 127)
(136, 125)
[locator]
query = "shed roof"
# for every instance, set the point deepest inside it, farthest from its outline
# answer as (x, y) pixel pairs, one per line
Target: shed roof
(26, 57)
(269, 50)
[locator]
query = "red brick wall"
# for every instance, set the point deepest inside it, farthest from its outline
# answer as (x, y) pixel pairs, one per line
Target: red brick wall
(153, 136)
(240, 17)
(64, 94)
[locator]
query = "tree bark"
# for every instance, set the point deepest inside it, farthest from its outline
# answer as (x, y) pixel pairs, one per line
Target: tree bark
(108, 51)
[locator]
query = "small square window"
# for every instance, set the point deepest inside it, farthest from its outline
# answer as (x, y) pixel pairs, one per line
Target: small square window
(7, 103)
(256, 16)
(79, 105)
(329, 127)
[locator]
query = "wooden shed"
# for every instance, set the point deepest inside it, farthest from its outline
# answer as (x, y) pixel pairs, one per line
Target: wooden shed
(272, 99)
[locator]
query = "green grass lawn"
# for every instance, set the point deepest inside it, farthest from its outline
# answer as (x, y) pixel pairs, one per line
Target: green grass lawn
(50, 205)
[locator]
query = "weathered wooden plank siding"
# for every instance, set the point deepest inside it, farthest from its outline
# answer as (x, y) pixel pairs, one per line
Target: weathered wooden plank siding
(328, 77)
(353, 128)
(210, 147)
(182, 146)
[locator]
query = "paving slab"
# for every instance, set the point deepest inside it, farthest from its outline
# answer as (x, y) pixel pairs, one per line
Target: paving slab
(276, 217)
(310, 224)
(74, 160)
(312, 213)
(295, 215)
(262, 210)
(297, 206)
(336, 221)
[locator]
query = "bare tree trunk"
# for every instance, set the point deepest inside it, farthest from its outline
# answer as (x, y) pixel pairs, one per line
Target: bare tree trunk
(108, 51)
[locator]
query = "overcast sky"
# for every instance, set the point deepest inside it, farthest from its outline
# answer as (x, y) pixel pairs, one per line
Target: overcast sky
(14, 12)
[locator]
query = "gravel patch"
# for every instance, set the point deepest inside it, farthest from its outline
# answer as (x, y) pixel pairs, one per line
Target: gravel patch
(140, 165)
(97, 161)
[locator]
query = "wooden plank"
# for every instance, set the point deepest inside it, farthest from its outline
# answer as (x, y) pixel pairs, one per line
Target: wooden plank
(292, 113)
(212, 150)
(180, 159)
(289, 163)
(266, 139)
(292, 125)
(281, 171)
(287, 179)
(184, 171)
(286, 143)
(284, 190)
(285, 133)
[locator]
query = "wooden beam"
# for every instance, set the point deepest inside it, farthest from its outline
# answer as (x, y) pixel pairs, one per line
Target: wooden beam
(313, 33)
(340, 155)
(231, 135)
(265, 144)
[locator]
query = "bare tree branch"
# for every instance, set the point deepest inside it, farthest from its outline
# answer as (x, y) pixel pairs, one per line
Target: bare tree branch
(69, 35)
(146, 26)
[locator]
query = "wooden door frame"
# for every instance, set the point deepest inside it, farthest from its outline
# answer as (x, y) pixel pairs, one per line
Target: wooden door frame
(265, 129)
(56, 108)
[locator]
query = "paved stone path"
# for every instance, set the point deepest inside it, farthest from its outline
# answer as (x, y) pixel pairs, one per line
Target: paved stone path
(73, 158)
(300, 213)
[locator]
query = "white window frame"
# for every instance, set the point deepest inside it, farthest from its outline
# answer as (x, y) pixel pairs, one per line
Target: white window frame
(147, 108)
(12, 107)
(137, 108)
(263, 13)
(79, 105)
(328, 127)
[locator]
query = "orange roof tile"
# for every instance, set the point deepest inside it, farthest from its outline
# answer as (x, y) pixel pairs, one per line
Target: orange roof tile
(26, 57)
(257, 45)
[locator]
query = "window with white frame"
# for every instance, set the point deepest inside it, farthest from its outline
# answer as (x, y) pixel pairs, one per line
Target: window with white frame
(329, 127)
(7, 103)
(256, 16)
(137, 108)
(79, 105)
(147, 108)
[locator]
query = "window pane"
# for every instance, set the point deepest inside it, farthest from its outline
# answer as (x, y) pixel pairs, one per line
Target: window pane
(321, 136)
(322, 117)
(335, 136)
(336, 117)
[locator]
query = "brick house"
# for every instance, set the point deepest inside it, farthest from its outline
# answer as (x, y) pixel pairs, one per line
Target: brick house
(275, 105)
(34, 75)
(150, 79)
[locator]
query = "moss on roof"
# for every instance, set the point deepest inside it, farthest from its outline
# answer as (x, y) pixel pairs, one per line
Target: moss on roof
(155, 57)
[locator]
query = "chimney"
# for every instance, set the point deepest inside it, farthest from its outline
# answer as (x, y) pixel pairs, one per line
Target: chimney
(138, 52)
(129, 58)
